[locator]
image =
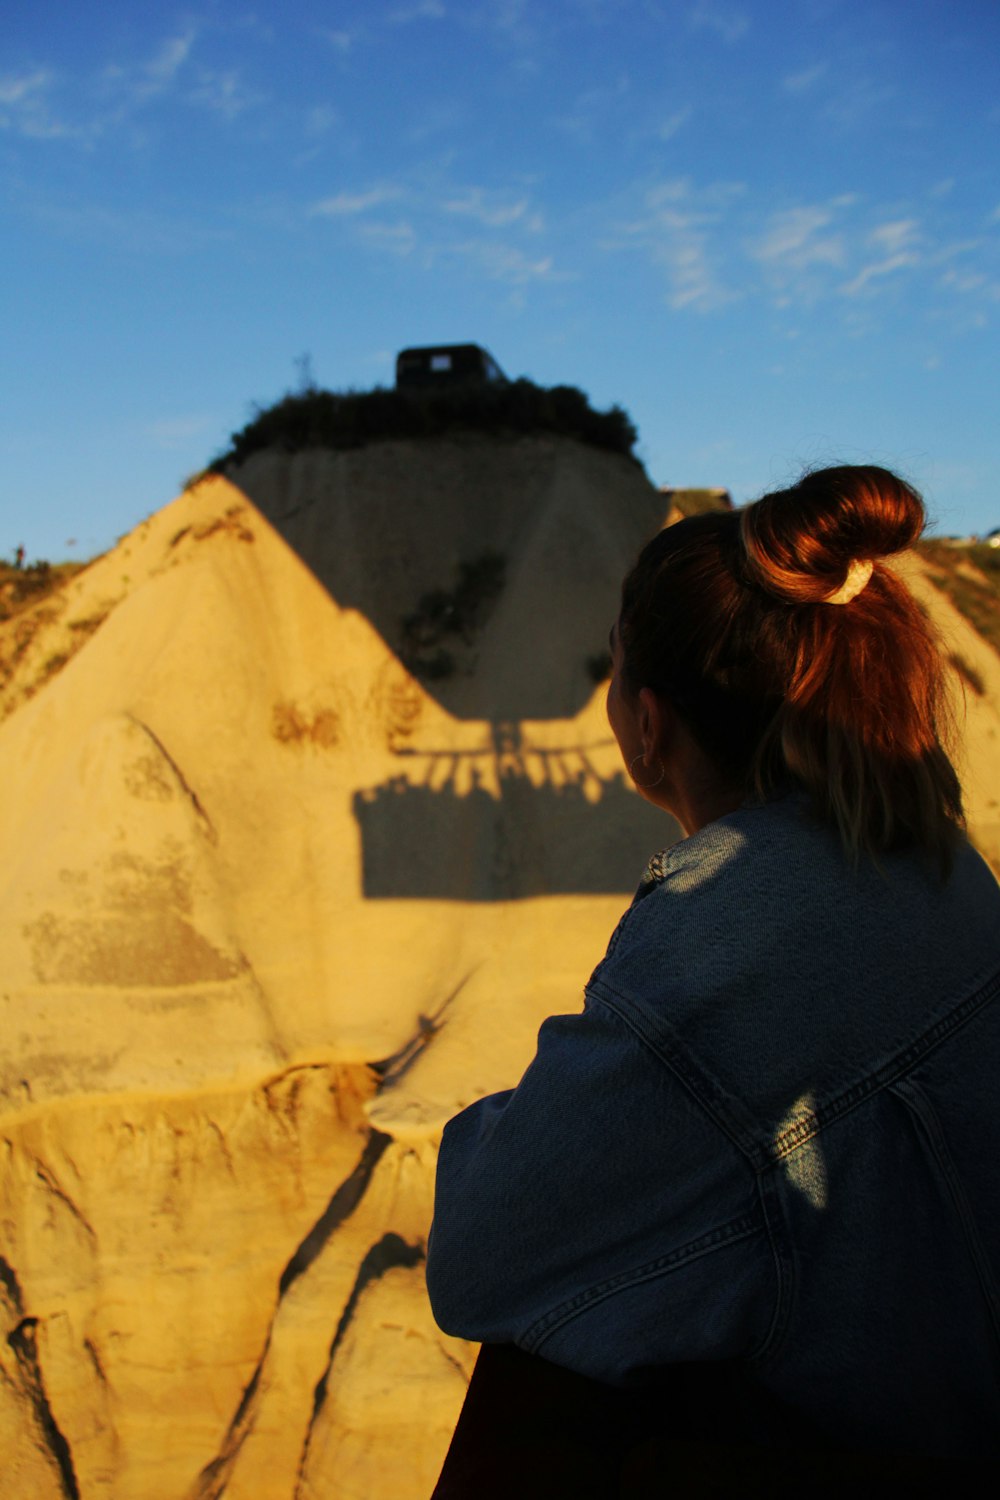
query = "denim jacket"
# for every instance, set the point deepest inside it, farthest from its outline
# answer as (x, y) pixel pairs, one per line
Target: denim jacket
(771, 1137)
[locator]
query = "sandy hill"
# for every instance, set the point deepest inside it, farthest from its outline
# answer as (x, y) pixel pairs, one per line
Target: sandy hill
(311, 815)
(274, 907)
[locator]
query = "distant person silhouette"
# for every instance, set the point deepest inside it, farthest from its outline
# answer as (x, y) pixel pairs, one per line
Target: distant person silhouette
(739, 1221)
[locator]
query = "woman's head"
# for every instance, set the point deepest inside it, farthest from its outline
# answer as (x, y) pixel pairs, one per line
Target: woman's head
(790, 663)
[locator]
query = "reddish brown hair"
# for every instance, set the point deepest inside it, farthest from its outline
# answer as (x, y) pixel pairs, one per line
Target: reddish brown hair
(725, 615)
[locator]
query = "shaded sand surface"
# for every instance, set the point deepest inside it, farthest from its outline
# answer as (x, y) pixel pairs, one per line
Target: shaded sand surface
(273, 907)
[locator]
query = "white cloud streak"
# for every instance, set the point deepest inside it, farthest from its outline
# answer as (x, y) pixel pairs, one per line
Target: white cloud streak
(674, 123)
(14, 91)
(805, 80)
(27, 109)
(795, 238)
(35, 105)
(340, 41)
(349, 205)
(728, 22)
(399, 238)
(172, 55)
(896, 245)
(678, 228)
(714, 245)
(420, 10)
(224, 93)
(436, 225)
(505, 263)
(492, 210)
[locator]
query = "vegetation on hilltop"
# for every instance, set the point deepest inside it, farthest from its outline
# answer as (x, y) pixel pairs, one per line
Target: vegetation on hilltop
(323, 419)
(27, 604)
(969, 575)
(22, 587)
(696, 502)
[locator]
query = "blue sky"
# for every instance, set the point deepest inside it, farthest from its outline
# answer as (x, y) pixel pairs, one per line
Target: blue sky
(770, 229)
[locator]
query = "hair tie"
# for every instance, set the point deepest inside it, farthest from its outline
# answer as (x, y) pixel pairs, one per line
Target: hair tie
(858, 575)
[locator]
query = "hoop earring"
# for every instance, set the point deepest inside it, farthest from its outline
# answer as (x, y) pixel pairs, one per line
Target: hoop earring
(644, 786)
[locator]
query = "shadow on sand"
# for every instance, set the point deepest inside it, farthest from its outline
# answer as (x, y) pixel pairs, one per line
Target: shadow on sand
(448, 837)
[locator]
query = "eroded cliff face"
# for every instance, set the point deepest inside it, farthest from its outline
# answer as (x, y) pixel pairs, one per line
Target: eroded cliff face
(274, 908)
(274, 905)
(976, 694)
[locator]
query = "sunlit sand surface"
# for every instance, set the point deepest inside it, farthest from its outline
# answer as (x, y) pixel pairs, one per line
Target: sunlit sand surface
(273, 908)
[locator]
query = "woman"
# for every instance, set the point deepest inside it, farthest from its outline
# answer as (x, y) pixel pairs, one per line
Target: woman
(765, 1152)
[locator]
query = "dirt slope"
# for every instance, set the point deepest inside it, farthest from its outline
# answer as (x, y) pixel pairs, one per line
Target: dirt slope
(274, 905)
(273, 909)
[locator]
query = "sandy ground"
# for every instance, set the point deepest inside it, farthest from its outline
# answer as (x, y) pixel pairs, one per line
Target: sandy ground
(273, 908)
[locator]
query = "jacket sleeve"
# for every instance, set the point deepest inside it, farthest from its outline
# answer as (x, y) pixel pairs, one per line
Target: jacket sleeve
(597, 1214)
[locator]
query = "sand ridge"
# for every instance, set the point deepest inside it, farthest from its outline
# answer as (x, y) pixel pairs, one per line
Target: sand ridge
(274, 907)
(259, 868)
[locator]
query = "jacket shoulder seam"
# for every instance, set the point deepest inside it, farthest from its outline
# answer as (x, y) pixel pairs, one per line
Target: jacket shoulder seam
(898, 1067)
(707, 1092)
(740, 1127)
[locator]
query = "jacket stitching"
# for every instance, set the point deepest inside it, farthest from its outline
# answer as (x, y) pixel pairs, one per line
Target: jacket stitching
(715, 1239)
(784, 1271)
(766, 1154)
(921, 1110)
(695, 1079)
(884, 1077)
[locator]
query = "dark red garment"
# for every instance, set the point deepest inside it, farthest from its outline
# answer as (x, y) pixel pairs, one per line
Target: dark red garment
(530, 1430)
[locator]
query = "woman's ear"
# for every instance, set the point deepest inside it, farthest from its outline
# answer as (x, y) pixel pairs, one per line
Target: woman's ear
(655, 722)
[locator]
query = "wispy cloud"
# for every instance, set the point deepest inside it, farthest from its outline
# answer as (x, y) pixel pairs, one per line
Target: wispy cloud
(674, 123)
(133, 85)
(493, 210)
(419, 10)
(436, 119)
(856, 100)
(694, 282)
(16, 91)
(965, 282)
(507, 246)
(506, 263)
(27, 107)
(804, 80)
(679, 228)
(896, 249)
(224, 93)
(340, 40)
(896, 236)
(172, 55)
(349, 205)
(797, 246)
(590, 111)
(515, 25)
(727, 21)
(320, 119)
(716, 244)
(399, 238)
(796, 238)
(87, 109)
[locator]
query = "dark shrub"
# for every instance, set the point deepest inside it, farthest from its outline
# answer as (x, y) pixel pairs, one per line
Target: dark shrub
(323, 419)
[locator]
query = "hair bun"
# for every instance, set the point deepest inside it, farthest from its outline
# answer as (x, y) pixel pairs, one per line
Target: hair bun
(804, 544)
